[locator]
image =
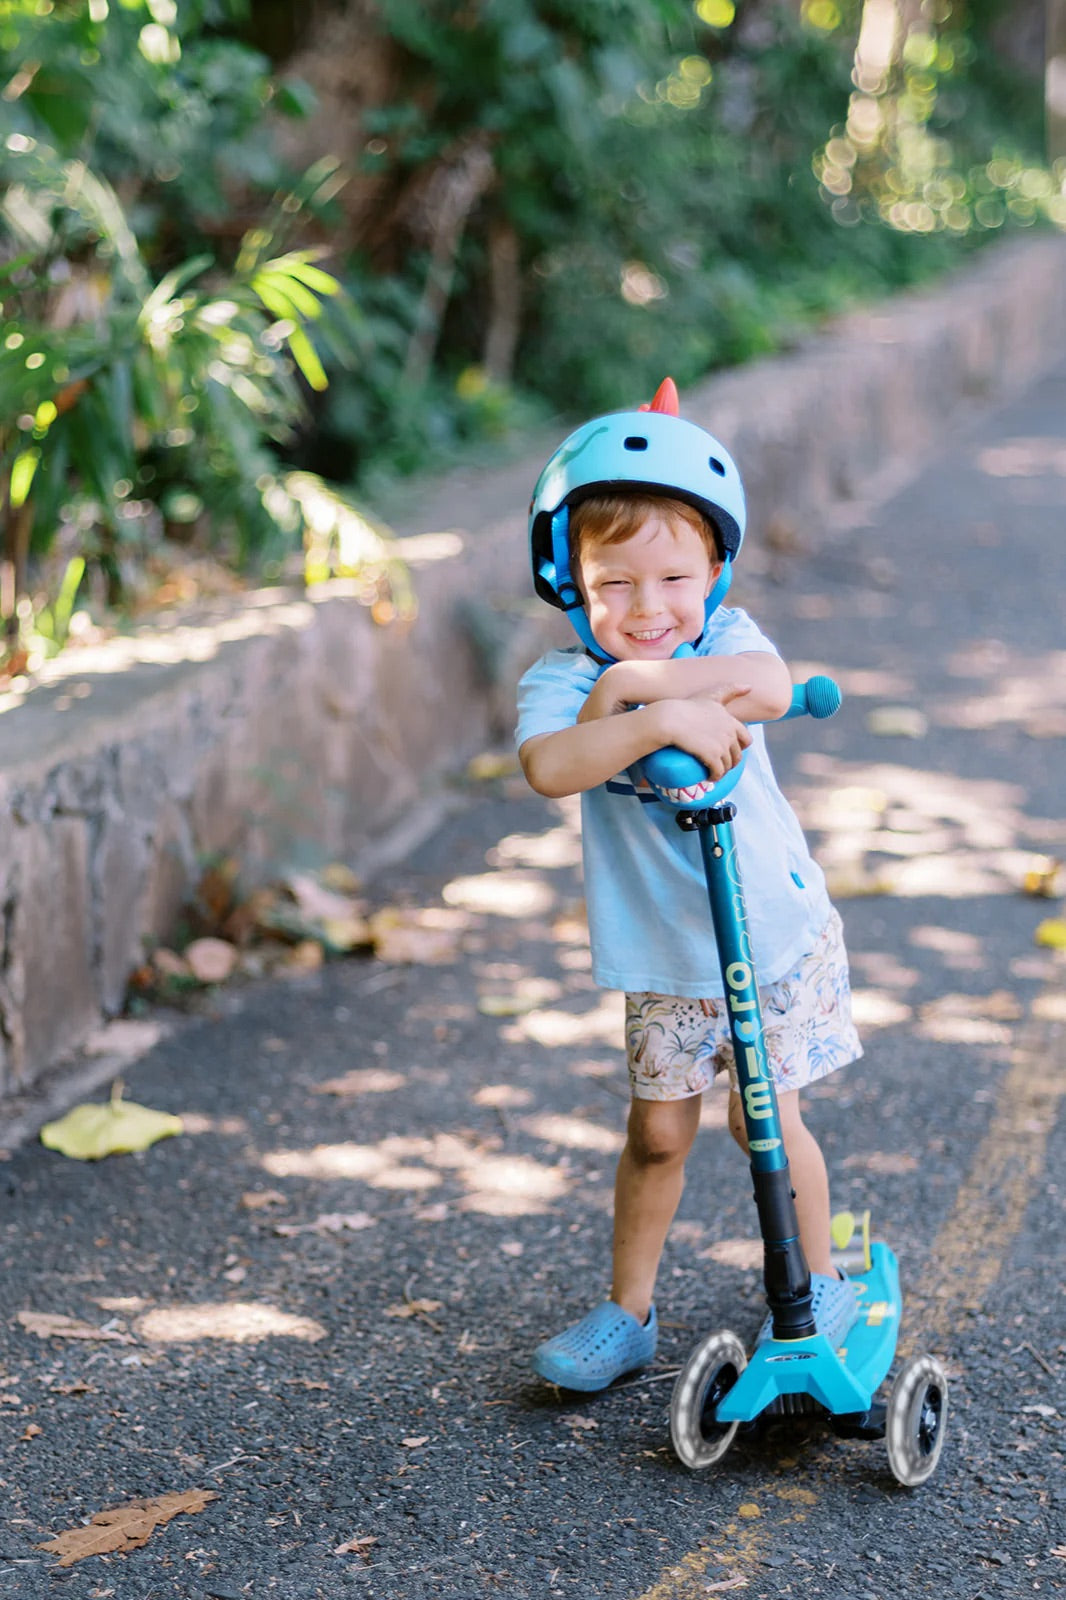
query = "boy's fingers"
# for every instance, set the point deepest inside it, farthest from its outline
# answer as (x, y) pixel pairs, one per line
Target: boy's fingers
(730, 691)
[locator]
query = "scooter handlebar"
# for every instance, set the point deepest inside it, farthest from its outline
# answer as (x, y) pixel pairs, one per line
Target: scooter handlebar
(679, 780)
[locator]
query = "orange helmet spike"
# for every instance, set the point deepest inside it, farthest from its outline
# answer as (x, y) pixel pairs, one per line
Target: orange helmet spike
(666, 399)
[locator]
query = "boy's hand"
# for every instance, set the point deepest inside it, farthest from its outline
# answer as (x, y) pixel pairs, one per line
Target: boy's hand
(705, 727)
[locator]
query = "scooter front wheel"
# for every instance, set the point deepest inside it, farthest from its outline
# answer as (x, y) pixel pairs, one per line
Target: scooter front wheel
(706, 1378)
(916, 1420)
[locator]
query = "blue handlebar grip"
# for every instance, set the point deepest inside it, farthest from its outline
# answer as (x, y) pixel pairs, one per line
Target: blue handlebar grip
(819, 697)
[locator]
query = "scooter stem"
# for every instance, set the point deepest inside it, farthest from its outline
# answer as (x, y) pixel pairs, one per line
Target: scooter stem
(785, 1272)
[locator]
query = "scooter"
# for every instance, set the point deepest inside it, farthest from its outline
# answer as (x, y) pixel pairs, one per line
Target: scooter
(796, 1370)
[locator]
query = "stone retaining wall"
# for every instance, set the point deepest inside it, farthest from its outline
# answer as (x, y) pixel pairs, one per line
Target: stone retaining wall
(290, 729)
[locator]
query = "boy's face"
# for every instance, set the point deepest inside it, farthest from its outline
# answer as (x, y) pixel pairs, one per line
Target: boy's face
(645, 596)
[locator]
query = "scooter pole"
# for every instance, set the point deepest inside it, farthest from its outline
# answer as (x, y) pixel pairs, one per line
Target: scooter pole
(785, 1272)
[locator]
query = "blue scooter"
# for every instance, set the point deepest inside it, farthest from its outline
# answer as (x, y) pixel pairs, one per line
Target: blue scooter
(720, 1388)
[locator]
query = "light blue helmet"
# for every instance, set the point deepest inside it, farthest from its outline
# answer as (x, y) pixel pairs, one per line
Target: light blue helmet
(652, 450)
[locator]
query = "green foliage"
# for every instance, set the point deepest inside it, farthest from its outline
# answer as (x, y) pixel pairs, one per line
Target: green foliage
(671, 174)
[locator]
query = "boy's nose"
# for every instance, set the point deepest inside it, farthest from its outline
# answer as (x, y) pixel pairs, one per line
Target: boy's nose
(644, 599)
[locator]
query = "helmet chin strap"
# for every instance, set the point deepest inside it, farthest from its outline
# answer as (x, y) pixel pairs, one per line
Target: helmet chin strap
(556, 572)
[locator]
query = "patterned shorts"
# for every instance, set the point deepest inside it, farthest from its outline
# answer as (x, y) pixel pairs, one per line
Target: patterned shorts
(676, 1047)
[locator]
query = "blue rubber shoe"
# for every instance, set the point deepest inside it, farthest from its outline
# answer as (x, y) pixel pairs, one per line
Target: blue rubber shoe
(600, 1348)
(835, 1306)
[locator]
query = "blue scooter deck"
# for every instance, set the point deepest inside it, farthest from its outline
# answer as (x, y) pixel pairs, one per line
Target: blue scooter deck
(844, 1380)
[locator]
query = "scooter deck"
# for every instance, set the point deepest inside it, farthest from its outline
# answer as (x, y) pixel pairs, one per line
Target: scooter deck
(844, 1381)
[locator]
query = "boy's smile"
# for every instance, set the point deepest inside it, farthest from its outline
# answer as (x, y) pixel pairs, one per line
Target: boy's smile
(646, 595)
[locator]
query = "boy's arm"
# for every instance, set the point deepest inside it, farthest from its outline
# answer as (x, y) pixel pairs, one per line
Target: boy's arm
(590, 752)
(627, 683)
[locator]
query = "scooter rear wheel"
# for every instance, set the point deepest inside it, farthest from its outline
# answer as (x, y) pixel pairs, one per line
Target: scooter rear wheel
(706, 1378)
(916, 1420)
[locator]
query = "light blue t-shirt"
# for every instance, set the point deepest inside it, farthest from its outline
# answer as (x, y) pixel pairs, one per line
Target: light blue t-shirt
(649, 916)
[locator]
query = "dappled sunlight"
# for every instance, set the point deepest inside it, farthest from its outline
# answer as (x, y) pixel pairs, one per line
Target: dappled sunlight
(558, 847)
(237, 1322)
(1024, 458)
(882, 970)
(494, 1184)
(969, 1018)
(363, 1162)
(574, 1133)
(199, 1122)
(513, 1186)
(876, 1008)
(928, 833)
(1021, 691)
(502, 1096)
(746, 1255)
(604, 1022)
(959, 951)
(596, 1067)
(362, 1080)
(500, 894)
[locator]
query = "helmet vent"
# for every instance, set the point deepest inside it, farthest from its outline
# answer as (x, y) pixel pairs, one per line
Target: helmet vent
(636, 441)
(716, 466)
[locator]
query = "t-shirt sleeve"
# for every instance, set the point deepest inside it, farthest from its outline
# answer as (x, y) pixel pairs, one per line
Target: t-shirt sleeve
(731, 633)
(552, 692)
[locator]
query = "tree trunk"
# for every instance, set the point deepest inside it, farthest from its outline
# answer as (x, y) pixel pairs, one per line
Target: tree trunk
(505, 302)
(1055, 79)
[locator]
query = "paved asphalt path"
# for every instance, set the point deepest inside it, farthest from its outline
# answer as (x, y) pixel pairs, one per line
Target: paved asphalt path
(369, 1388)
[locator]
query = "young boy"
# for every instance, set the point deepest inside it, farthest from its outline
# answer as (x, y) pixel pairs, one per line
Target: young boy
(634, 526)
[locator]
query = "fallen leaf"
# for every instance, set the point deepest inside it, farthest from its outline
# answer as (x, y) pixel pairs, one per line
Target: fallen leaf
(90, 1132)
(415, 1444)
(413, 1308)
(735, 1582)
(257, 1199)
(748, 1510)
(1045, 878)
(307, 956)
(579, 1422)
(492, 764)
(1051, 933)
(359, 1544)
(123, 1528)
(329, 1222)
(31, 1431)
(53, 1325)
(168, 964)
(211, 960)
(340, 877)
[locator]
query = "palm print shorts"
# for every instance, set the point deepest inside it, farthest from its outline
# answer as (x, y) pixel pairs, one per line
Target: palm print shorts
(676, 1046)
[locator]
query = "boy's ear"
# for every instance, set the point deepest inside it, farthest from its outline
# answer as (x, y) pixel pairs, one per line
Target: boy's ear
(715, 574)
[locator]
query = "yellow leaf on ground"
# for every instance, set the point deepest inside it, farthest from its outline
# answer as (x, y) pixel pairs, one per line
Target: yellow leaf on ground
(123, 1528)
(1052, 933)
(89, 1132)
(493, 764)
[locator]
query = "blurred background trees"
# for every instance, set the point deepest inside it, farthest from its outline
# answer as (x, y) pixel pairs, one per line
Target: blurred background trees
(247, 242)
